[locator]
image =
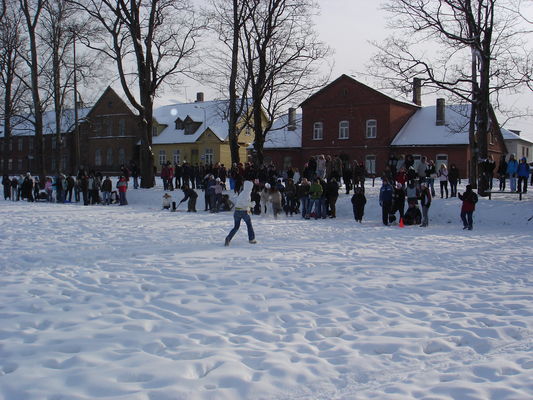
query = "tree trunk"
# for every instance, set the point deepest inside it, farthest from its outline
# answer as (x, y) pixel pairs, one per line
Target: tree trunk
(233, 115)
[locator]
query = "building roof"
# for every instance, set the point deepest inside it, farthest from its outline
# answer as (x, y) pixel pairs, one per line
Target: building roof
(25, 127)
(280, 137)
(390, 96)
(211, 115)
(421, 129)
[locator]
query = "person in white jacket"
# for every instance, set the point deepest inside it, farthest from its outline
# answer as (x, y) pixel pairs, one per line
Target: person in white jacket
(243, 204)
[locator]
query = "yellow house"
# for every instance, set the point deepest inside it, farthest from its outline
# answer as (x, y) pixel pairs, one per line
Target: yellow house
(196, 133)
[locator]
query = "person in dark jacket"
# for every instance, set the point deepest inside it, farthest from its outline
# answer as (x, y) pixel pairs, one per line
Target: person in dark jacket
(398, 200)
(453, 178)
(191, 195)
(412, 216)
(332, 194)
(425, 203)
(6, 182)
(27, 188)
(502, 172)
(358, 203)
(385, 201)
(469, 199)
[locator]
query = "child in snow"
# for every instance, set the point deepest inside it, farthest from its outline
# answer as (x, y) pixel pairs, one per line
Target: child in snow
(167, 200)
(469, 199)
(191, 195)
(358, 203)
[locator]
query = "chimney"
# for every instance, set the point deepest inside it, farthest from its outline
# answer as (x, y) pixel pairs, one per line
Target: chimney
(441, 114)
(199, 97)
(291, 125)
(417, 91)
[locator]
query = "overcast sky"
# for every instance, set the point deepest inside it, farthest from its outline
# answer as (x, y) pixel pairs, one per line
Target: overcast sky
(348, 26)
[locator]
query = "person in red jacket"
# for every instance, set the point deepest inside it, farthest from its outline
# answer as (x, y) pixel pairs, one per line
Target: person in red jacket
(122, 186)
(469, 199)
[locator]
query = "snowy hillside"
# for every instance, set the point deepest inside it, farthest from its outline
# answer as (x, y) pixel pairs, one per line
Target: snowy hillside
(136, 303)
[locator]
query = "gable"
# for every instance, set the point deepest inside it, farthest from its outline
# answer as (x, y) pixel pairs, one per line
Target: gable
(110, 103)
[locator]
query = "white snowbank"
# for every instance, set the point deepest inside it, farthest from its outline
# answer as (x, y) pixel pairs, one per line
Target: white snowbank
(142, 304)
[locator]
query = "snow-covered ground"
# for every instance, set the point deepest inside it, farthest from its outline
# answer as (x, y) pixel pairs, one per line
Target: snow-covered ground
(138, 303)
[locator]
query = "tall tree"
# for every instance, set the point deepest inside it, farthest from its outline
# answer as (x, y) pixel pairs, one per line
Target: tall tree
(283, 60)
(154, 43)
(478, 51)
(32, 10)
(11, 71)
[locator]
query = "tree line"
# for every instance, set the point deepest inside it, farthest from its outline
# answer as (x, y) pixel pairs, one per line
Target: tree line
(263, 55)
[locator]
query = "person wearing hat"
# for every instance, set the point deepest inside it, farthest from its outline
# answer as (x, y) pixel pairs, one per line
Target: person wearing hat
(523, 175)
(385, 200)
(425, 203)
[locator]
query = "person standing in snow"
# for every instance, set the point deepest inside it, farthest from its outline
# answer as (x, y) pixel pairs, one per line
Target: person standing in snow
(469, 199)
(191, 195)
(512, 169)
(122, 186)
(385, 201)
(242, 212)
(523, 175)
(358, 203)
(6, 182)
(502, 172)
(425, 203)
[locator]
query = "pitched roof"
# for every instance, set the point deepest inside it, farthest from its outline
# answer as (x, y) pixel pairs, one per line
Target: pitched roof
(393, 97)
(280, 137)
(421, 129)
(210, 115)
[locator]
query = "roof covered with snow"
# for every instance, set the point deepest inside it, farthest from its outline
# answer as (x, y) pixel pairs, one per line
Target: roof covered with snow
(280, 136)
(24, 126)
(421, 128)
(210, 115)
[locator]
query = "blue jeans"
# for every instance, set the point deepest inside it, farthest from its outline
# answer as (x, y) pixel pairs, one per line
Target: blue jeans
(239, 215)
(304, 202)
(468, 220)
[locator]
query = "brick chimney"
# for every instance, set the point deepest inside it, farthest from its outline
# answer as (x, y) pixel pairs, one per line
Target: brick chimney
(441, 112)
(199, 97)
(417, 91)
(291, 124)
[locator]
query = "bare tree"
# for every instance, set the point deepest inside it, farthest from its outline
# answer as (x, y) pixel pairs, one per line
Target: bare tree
(56, 35)
(479, 50)
(11, 71)
(32, 10)
(228, 20)
(152, 42)
(283, 58)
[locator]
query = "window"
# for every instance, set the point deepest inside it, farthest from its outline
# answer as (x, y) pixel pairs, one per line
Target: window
(19, 163)
(344, 130)
(370, 164)
(10, 164)
(53, 142)
(20, 144)
(176, 156)
(121, 156)
(318, 131)
(98, 157)
(122, 127)
(31, 144)
(154, 131)
(109, 157)
(162, 157)
(64, 162)
(10, 144)
(441, 159)
(209, 155)
(371, 128)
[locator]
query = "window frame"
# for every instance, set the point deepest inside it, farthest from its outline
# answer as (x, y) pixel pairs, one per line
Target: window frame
(162, 157)
(344, 129)
(98, 158)
(318, 130)
(371, 128)
(370, 163)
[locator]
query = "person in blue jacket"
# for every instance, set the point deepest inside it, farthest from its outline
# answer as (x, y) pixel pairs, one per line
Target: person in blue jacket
(523, 174)
(512, 170)
(385, 200)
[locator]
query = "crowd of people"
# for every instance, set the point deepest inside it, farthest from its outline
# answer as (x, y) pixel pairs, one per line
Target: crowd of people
(406, 194)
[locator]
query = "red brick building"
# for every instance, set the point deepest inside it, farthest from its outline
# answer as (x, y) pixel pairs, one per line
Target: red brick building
(352, 120)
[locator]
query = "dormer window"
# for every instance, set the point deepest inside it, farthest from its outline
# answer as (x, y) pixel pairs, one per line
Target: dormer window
(179, 124)
(190, 126)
